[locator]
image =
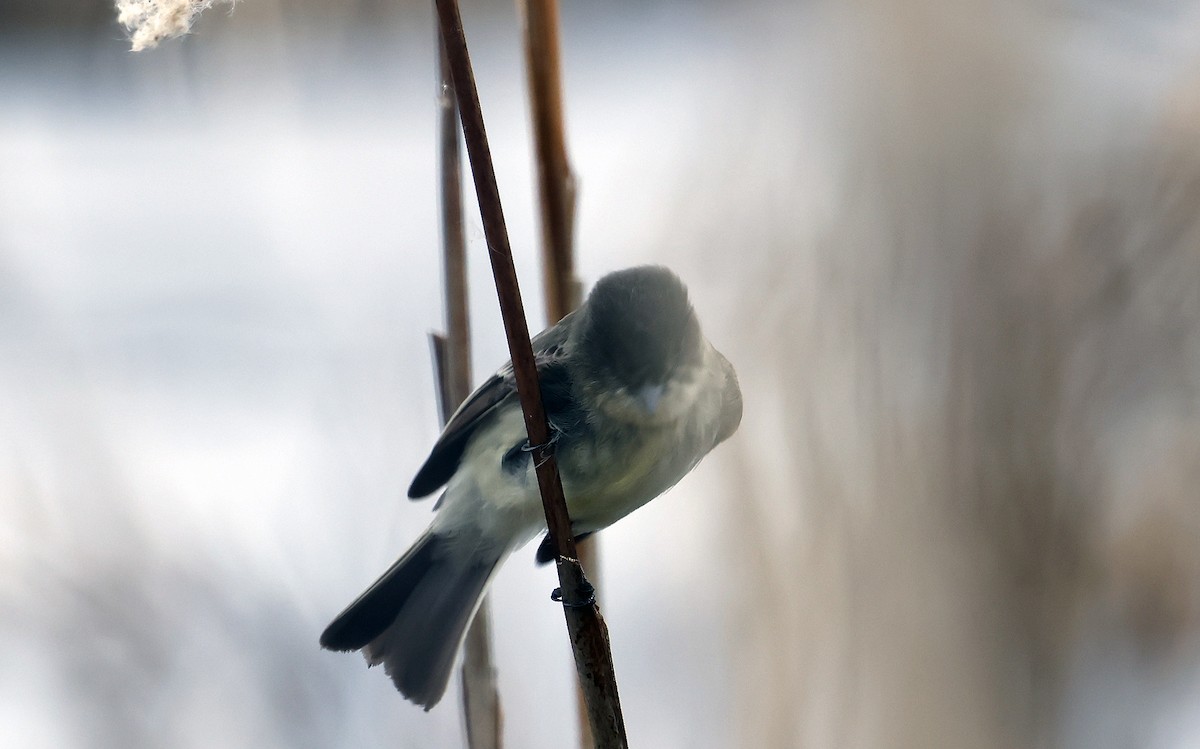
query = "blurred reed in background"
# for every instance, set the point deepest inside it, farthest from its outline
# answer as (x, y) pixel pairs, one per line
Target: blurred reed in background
(966, 510)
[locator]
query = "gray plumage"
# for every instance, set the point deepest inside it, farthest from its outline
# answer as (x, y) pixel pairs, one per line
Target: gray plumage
(636, 397)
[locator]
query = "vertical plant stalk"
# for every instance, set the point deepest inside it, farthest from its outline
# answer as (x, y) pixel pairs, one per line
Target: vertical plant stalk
(589, 636)
(452, 358)
(556, 181)
(556, 198)
(454, 252)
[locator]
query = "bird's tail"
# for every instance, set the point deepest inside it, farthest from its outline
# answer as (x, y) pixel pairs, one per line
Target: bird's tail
(414, 617)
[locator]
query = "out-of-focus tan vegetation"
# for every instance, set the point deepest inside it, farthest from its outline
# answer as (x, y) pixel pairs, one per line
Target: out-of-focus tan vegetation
(967, 501)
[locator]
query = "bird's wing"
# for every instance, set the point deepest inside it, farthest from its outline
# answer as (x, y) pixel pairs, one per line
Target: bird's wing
(500, 388)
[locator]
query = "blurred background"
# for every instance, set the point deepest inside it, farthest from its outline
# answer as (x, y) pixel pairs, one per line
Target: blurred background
(952, 247)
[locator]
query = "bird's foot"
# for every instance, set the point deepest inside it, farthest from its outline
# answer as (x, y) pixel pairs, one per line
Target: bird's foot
(587, 592)
(528, 448)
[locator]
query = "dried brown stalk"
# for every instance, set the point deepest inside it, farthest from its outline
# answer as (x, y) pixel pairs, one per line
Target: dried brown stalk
(589, 636)
(556, 182)
(556, 197)
(481, 700)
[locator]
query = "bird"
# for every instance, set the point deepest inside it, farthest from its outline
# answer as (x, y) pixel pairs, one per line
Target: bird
(635, 397)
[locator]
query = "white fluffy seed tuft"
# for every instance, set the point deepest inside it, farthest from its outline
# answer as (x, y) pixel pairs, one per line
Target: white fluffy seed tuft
(151, 21)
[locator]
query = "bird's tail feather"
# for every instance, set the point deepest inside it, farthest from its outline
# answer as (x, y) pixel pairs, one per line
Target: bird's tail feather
(414, 617)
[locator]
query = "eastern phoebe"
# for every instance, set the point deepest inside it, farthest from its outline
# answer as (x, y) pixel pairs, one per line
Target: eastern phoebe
(635, 396)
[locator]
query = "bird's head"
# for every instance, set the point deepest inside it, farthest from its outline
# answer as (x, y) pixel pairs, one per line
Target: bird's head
(641, 337)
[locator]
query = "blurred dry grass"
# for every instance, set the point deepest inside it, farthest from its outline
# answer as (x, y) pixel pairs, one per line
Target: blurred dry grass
(974, 452)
